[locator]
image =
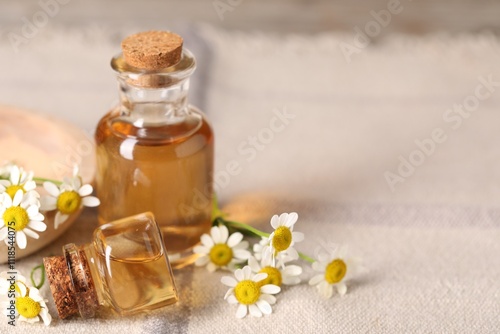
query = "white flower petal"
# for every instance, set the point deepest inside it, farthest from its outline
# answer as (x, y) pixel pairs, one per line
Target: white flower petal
(30, 185)
(229, 293)
(275, 221)
(297, 236)
(290, 280)
(77, 182)
(241, 312)
(268, 298)
(291, 219)
(6, 201)
(283, 219)
(229, 281)
(241, 254)
(48, 203)
(316, 279)
(292, 270)
(224, 234)
(270, 289)
(85, 190)
(264, 306)
(254, 311)
(292, 253)
(215, 233)
(325, 289)
(341, 288)
(46, 317)
(259, 277)
(21, 239)
(318, 266)
(38, 217)
(34, 294)
(15, 175)
(37, 225)
(207, 241)
(91, 201)
(247, 272)
(4, 232)
(232, 299)
(242, 245)
(51, 188)
(32, 210)
(59, 219)
(211, 267)
(18, 197)
(30, 233)
(199, 249)
(238, 273)
(234, 239)
(254, 264)
(201, 261)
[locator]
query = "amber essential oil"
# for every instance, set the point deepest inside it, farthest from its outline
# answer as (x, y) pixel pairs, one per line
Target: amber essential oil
(164, 169)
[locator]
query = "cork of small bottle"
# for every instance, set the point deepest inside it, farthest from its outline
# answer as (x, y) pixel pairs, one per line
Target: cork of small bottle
(71, 297)
(152, 51)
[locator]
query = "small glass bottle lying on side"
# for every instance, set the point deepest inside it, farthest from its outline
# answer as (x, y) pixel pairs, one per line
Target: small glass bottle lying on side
(125, 270)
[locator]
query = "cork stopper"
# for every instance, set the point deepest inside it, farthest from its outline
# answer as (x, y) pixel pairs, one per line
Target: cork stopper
(71, 284)
(152, 50)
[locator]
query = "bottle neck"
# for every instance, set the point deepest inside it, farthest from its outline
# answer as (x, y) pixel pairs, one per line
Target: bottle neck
(154, 97)
(150, 106)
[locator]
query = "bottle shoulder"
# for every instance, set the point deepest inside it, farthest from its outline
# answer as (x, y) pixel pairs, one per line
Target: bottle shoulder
(172, 129)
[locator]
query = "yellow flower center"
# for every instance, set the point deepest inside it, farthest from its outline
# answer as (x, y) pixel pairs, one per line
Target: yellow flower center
(68, 202)
(247, 292)
(335, 271)
(27, 307)
(12, 190)
(273, 276)
(16, 217)
(221, 254)
(282, 238)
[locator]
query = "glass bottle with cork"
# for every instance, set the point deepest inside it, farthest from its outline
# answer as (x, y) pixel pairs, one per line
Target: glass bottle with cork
(124, 270)
(154, 150)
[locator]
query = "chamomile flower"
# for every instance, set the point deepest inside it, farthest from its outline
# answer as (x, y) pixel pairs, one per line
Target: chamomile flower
(245, 290)
(30, 305)
(19, 179)
(262, 250)
(283, 237)
(5, 169)
(13, 277)
(335, 267)
(70, 197)
(260, 247)
(219, 250)
(288, 275)
(21, 215)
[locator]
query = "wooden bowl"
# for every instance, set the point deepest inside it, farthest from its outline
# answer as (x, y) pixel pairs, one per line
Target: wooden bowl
(50, 148)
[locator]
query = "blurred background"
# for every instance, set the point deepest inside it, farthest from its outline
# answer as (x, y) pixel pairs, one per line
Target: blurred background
(299, 16)
(366, 79)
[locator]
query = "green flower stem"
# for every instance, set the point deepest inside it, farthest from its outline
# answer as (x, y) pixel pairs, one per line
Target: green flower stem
(256, 232)
(306, 258)
(244, 227)
(42, 278)
(41, 180)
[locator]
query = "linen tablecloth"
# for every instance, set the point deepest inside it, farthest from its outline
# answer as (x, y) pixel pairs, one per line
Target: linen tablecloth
(333, 140)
